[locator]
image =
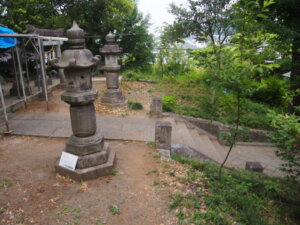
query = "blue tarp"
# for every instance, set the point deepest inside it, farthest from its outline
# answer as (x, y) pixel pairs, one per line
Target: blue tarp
(6, 42)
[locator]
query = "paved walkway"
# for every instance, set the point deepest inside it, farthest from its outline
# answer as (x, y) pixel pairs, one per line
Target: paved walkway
(115, 128)
(142, 129)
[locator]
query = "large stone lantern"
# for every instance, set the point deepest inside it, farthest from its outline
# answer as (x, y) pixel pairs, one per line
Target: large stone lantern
(87, 142)
(113, 95)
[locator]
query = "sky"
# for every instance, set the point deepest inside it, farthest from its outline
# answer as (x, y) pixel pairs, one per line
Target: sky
(158, 11)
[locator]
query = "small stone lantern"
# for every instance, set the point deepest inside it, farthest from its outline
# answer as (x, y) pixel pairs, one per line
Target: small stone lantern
(113, 95)
(87, 142)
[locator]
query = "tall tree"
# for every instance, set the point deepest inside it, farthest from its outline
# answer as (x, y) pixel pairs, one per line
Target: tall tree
(15, 14)
(285, 21)
(206, 20)
(96, 17)
(136, 40)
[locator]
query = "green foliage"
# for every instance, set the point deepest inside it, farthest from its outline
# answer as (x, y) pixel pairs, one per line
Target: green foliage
(135, 75)
(173, 60)
(114, 172)
(169, 103)
(255, 115)
(204, 19)
(194, 97)
(286, 136)
(271, 91)
(241, 196)
(114, 209)
(151, 144)
(96, 17)
(227, 137)
(135, 105)
(137, 41)
(5, 183)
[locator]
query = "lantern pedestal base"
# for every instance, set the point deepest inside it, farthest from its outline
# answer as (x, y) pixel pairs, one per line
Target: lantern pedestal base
(94, 171)
(113, 97)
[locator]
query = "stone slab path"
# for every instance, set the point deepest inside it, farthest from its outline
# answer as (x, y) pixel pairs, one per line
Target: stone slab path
(142, 129)
(114, 128)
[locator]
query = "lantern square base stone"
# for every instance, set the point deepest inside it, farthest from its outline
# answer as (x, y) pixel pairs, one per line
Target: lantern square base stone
(92, 172)
(113, 97)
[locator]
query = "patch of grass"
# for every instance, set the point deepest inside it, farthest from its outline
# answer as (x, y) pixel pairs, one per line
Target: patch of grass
(64, 209)
(166, 165)
(135, 105)
(187, 201)
(172, 173)
(152, 171)
(2, 210)
(76, 210)
(114, 172)
(76, 217)
(151, 144)
(124, 114)
(114, 209)
(5, 183)
(156, 155)
(182, 96)
(240, 196)
(169, 103)
(156, 182)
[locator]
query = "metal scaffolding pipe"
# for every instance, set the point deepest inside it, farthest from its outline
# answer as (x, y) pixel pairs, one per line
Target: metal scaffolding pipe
(21, 75)
(15, 70)
(43, 71)
(34, 36)
(26, 64)
(4, 108)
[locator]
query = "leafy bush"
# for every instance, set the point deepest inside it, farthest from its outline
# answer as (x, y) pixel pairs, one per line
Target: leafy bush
(169, 103)
(135, 105)
(174, 61)
(255, 115)
(134, 75)
(240, 197)
(271, 91)
(286, 136)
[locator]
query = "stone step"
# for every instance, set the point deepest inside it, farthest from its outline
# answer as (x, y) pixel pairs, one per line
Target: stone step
(204, 145)
(222, 149)
(181, 134)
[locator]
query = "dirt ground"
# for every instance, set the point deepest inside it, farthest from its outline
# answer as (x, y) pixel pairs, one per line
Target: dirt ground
(138, 194)
(31, 193)
(134, 91)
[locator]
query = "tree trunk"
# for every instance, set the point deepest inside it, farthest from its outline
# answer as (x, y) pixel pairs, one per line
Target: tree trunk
(295, 75)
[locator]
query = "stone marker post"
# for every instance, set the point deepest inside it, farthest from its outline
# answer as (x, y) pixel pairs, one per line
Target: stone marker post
(113, 95)
(254, 166)
(87, 142)
(163, 133)
(156, 107)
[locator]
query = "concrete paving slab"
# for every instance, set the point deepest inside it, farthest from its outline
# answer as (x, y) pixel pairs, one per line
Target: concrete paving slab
(143, 129)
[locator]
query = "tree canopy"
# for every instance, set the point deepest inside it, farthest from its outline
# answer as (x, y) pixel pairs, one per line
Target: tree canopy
(96, 17)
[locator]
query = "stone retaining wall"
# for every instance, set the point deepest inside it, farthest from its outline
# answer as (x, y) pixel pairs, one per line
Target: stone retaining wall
(215, 128)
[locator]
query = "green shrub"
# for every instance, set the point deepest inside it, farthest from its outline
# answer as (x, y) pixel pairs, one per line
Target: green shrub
(241, 196)
(286, 136)
(271, 91)
(135, 75)
(135, 105)
(255, 115)
(169, 103)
